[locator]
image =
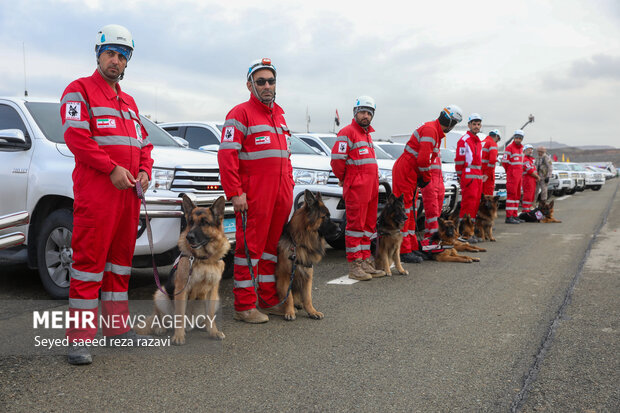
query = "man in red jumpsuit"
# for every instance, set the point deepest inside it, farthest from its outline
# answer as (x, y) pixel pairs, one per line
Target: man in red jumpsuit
(355, 165)
(257, 176)
(530, 178)
(513, 164)
(414, 168)
(489, 159)
(468, 165)
(112, 155)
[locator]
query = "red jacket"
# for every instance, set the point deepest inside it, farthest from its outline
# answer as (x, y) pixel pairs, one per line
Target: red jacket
(353, 152)
(424, 146)
(468, 155)
(254, 142)
(513, 157)
(102, 130)
(489, 155)
(529, 166)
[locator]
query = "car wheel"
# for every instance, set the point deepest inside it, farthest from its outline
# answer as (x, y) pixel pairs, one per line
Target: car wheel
(596, 187)
(54, 253)
(571, 191)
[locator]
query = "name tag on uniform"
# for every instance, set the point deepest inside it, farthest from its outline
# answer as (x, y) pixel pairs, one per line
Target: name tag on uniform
(363, 151)
(106, 123)
(262, 140)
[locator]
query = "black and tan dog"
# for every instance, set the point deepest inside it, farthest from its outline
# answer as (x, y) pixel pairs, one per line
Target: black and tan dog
(389, 224)
(302, 243)
(487, 213)
(445, 239)
(543, 213)
(193, 286)
(465, 230)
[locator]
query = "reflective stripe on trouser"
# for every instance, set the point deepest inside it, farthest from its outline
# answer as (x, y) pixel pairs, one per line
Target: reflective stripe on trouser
(270, 198)
(105, 223)
(488, 186)
(529, 192)
(513, 190)
(361, 194)
(471, 191)
(404, 181)
(432, 199)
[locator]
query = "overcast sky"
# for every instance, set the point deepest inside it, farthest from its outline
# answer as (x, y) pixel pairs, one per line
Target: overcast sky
(556, 59)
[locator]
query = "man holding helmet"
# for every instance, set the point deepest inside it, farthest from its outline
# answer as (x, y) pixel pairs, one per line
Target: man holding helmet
(468, 165)
(355, 165)
(530, 178)
(112, 155)
(513, 164)
(420, 166)
(489, 158)
(257, 176)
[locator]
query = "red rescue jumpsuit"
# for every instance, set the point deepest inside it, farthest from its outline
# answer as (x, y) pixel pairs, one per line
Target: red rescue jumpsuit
(513, 164)
(468, 165)
(489, 158)
(103, 130)
(416, 161)
(432, 199)
(354, 163)
(254, 159)
(529, 182)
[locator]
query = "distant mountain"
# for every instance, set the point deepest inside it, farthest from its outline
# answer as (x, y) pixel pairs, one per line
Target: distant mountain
(559, 145)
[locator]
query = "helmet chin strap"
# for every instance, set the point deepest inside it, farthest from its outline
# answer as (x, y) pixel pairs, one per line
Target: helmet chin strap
(272, 100)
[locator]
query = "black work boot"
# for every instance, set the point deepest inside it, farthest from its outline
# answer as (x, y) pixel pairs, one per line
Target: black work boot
(79, 354)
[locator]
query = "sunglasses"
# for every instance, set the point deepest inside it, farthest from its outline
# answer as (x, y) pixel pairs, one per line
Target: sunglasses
(261, 82)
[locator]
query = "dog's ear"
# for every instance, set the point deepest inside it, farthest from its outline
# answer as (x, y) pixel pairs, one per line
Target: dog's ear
(218, 208)
(391, 198)
(401, 197)
(188, 207)
(440, 221)
(550, 205)
(319, 198)
(467, 218)
(309, 198)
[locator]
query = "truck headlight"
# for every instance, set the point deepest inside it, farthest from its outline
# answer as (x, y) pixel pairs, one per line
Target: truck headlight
(161, 178)
(385, 175)
(310, 176)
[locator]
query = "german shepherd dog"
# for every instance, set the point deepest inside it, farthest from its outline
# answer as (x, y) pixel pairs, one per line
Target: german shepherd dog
(465, 229)
(302, 243)
(390, 222)
(543, 213)
(447, 236)
(487, 213)
(196, 278)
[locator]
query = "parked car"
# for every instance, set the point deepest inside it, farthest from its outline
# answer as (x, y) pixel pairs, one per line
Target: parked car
(607, 166)
(605, 172)
(594, 178)
(36, 177)
(581, 175)
(566, 177)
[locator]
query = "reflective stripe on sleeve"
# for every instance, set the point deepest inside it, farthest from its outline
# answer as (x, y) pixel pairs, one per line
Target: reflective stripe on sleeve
(411, 150)
(268, 153)
(338, 156)
(364, 161)
(427, 139)
(79, 124)
(231, 145)
(238, 125)
(117, 140)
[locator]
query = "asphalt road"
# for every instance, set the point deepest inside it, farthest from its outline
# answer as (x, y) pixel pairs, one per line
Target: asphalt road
(532, 327)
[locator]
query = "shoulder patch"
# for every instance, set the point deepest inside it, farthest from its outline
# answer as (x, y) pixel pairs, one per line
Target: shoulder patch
(462, 151)
(229, 134)
(342, 147)
(73, 110)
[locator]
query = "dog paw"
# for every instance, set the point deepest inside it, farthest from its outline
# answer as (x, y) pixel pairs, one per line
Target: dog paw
(178, 340)
(289, 316)
(492, 239)
(482, 250)
(218, 335)
(404, 272)
(317, 315)
(475, 259)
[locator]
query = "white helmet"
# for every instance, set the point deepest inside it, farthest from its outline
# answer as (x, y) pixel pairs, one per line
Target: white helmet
(264, 63)
(453, 113)
(528, 146)
(475, 116)
(494, 132)
(365, 102)
(114, 35)
(519, 132)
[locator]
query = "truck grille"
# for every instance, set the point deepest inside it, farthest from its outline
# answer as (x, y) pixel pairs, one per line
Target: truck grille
(197, 180)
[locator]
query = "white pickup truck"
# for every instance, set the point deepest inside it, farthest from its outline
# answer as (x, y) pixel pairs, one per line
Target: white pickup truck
(35, 171)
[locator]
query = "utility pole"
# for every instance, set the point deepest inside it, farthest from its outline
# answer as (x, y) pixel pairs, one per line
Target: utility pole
(530, 119)
(24, 52)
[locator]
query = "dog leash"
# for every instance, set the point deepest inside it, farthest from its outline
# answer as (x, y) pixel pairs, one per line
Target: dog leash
(293, 257)
(149, 234)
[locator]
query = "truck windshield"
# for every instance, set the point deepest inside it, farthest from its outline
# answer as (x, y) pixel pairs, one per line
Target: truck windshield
(47, 117)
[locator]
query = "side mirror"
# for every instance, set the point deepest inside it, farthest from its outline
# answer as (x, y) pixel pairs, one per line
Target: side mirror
(14, 136)
(181, 141)
(210, 148)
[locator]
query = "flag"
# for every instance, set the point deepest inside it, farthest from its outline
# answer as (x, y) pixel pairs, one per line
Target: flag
(567, 159)
(562, 157)
(555, 157)
(337, 119)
